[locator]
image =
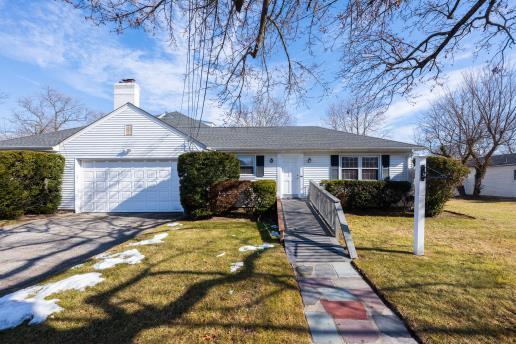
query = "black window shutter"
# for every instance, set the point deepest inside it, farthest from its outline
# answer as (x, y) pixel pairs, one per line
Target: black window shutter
(386, 160)
(260, 162)
(334, 170)
(386, 163)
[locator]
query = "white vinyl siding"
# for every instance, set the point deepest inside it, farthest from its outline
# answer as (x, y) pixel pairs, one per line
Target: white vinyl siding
(318, 169)
(498, 181)
(398, 169)
(106, 139)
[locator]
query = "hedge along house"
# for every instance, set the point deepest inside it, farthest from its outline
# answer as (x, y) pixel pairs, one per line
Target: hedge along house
(127, 160)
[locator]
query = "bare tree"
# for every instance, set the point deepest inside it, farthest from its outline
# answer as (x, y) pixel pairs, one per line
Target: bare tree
(354, 116)
(387, 46)
(3, 97)
(261, 112)
(474, 121)
(47, 112)
(494, 94)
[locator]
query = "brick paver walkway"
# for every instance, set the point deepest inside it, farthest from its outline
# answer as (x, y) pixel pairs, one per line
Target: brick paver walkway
(340, 306)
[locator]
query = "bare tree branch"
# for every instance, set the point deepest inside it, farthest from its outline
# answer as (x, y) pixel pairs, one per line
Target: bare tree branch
(355, 116)
(387, 47)
(47, 112)
(475, 121)
(261, 112)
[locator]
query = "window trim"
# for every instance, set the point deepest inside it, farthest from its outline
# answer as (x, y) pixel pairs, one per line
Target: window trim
(342, 168)
(253, 157)
(128, 130)
(360, 168)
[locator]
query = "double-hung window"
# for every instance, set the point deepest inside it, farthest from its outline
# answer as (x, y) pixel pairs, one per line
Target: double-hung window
(349, 167)
(246, 164)
(359, 168)
(369, 168)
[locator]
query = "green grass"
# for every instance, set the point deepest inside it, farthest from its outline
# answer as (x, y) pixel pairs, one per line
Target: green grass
(183, 293)
(463, 289)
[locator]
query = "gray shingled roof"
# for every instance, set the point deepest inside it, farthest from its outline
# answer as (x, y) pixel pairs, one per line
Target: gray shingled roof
(503, 159)
(178, 120)
(290, 138)
(499, 160)
(239, 138)
(42, 141)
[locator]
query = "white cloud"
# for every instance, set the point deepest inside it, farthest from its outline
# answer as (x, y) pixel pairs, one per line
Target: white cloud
(91, 58)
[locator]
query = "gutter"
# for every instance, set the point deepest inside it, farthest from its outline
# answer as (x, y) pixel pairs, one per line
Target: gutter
(34, 148)
(322, 150)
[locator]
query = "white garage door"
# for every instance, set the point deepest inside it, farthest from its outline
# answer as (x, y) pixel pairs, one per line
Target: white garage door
(129, 186)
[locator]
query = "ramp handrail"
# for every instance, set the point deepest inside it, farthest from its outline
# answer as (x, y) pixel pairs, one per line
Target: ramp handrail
(330, 209)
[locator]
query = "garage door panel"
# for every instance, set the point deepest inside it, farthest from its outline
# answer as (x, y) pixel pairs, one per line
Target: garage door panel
(129, 186)
(139, 174)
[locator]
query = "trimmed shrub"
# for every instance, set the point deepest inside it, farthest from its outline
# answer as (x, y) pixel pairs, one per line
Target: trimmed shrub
(368, 194)
(443, 177)
(264, 196)
(30, 182)
(224, 195)
(198, 171)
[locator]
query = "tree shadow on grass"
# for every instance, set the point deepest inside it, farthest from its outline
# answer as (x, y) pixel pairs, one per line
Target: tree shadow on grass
(488, 199)
(380, 213)
(120, 326)
(379, 249)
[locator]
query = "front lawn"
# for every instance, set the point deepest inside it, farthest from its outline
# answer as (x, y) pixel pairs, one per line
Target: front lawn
(182, 293)
(464, 289)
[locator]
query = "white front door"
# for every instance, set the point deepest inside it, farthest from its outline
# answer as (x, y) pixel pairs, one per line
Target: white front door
(129, 186)
(291, 168)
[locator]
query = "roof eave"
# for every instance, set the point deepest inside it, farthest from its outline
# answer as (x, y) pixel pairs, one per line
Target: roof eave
(307, 149)
(38, 148)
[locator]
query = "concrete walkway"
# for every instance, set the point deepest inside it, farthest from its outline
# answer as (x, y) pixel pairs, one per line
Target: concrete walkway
(340, 306)
(31, 251)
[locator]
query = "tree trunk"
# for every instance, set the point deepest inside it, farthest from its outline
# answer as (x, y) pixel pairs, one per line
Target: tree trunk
(479, 175)
(461, 190)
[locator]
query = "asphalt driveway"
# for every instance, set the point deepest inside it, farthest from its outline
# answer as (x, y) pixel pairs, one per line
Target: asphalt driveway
(31, 251)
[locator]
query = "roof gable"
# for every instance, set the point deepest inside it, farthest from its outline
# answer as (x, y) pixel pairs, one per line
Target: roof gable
(128, 107)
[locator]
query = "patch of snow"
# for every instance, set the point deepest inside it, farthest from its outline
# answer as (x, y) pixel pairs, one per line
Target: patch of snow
(231, 292)
(30, 303)
(275, 234)
(274, 226)
(158, 239)
(255, 248)
(126, 257)
(174, 224)
(221, 254)
(77, 266)
(236, 266)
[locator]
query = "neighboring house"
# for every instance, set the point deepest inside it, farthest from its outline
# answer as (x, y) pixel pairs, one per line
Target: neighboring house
(500, 178)
(127, 160)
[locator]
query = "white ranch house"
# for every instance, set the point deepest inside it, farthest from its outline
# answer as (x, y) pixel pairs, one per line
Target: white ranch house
(127, 160)
(500, 178)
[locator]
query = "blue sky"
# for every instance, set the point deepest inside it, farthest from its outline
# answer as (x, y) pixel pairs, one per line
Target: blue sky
(47, 43)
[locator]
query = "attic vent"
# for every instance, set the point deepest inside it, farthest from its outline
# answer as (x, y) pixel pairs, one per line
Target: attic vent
(128, 130)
